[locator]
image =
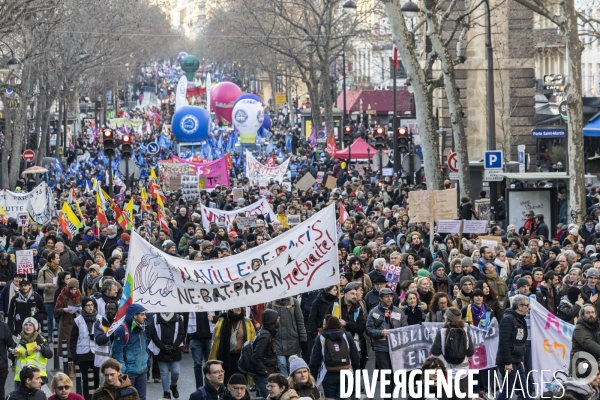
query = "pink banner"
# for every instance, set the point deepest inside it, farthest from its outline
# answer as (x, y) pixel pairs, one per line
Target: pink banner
(215, 172)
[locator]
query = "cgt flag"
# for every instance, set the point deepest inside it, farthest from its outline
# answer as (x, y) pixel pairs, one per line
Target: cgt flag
(68, 221)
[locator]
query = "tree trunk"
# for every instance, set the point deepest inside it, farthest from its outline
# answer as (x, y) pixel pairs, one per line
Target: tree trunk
(575, 148)
(273, 82)
(8, 140)
(315, 108)
(327, 101)
(423, 97)
(454, 105)
(19, 133)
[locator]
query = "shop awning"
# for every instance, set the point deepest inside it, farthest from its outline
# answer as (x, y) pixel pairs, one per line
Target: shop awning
(593, 127)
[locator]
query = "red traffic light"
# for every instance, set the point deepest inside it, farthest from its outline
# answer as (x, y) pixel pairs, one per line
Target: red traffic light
(126, 139)
(347, 129)
(380, 131)
(107, 133)
(402, 131)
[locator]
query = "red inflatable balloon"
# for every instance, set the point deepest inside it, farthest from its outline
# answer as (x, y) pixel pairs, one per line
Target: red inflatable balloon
(222, 97)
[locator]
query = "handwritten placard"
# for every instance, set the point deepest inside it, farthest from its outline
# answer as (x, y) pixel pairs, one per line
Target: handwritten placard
(475, 226)
(449, 226)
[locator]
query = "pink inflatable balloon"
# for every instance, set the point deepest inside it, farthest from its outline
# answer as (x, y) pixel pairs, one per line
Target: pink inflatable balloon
(222, 97)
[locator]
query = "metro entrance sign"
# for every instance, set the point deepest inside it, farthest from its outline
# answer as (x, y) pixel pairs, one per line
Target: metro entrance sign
(28, 155)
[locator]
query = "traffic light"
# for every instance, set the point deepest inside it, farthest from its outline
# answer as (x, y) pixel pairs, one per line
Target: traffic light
(380, 138)
(172, 108)
(126, 146)
(348, 134)
(295, 102)
(163, 105)
(108, 140)
(403, 140)
(98, 105)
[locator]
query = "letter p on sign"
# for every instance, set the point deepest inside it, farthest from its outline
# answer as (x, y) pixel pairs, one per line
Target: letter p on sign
(493, 159)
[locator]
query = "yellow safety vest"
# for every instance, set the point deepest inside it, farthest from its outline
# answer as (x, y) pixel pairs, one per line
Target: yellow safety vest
(35, 359)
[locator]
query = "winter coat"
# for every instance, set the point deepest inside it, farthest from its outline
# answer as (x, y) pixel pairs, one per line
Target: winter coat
(208, 392)
(291, 326)
(82, 339)
(310, 392)
(317, 313)
(289, 394)
(132, 355)
(498, 284)
(376, 323)
(124, 392)
(316, 358)
(66, 259)
(443, 284)
(414, 316)
(435, 316)
(372, 298)
(567, 311)
(45, 279)
(22, 308)
(436, 348)
(7, 272)
(461, 300)
(167, 337)
(586, 337)
(25, 393)
(6, 342)
(586, 293)
(265, 356)
(542, 295)
(513, 336)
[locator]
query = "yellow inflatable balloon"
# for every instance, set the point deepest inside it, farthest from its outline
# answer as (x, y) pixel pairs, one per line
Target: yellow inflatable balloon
(343, 164)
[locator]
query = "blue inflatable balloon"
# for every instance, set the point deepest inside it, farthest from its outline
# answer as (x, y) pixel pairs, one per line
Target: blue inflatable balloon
(248, 96)
(267, 122)
(191, 124)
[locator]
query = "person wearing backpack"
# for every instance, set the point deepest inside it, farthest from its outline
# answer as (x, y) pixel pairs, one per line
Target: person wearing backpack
(454, 344)
(130, 346)
(264, 356)
(291, 337)
(334, 350)
(380, 320)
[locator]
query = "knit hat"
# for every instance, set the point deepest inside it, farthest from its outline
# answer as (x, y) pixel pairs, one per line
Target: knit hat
(296, 363)
(87, 299)
(238, 243)
(522, 282)
(108, 272)
(555, 250)
(125, 237)
(34, 246)
(77, 262)
(436, 265)
(466, 279)
(422, 272)
(451, 315)
(510, 254)
(73, 283)
(239, 379)
(168, 244)
(592, 272)
(378, 278)
(352, 286)
(347, 275)
(32, 321)
(206, 244)
(94, 267)
(573, 293)
(250, 237)
(574, 232)
(466, 262)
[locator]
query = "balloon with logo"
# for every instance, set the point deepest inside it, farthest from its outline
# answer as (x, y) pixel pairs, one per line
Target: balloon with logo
(267, 122)
(248, 117)
(191, 124)
(222, 99)
(248, 96)
(189, 65)
(181, 55)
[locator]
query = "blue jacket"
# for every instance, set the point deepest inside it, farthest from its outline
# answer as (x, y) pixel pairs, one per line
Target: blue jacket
(132, 354)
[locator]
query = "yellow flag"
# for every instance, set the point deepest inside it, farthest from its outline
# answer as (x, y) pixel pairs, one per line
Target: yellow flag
(129, 208)
(82, 223)
(160, 202)
(152, 174)
(69, 222)
(337, 312)
(144, 194)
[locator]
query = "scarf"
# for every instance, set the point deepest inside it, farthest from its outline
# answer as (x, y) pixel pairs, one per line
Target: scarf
(52, 267)
(22, 298)
(425, 297)
(229, 321)
(101, 264)
(90, 283)
(29, 338)
(476, 316)
(89, 317)
(65, 294)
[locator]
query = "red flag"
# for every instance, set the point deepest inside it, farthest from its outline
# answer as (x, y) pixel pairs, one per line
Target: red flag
(161, 219)
(331, 147)
(395, 56)
(101, 216)
(64, 225)
(343, 213)
(120, 217)
(155, 191)
(229, 161)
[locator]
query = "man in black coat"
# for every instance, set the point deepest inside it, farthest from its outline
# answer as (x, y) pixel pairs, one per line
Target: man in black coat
(511, 346)
(214, 377)
(6, 342)
(541, 228)
(30, 387)
(26, 303)
(265, 356)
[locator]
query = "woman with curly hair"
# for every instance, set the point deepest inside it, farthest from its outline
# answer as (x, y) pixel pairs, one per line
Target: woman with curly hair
(437, 307)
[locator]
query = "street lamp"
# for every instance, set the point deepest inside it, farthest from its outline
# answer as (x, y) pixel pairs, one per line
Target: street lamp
(410, 9)
(13, 62)
(82, 54)
(349, 7)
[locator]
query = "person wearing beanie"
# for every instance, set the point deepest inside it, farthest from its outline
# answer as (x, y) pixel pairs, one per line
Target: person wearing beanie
(590, 291)
(108, 273)
(467, 283)
(170, 248)
(25, 303)
(236, 388)
(251, 240)
(30, 337)
(69, 298)
(468, 269)
(570, 305)
(454, 325)
(238, 246)
(189, 236)
(77, 271)
(477, 313)
(82, 343)
(265, 355)
(440, 281)
(301, 380)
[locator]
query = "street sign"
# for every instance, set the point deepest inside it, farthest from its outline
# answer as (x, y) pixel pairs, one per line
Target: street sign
(133, 169)
(153, 148)
(453, 176)
(453, 161)
(23, 219)
(492, 175)
(411, 161)
(387, 171)
(29, 155)
(384, 159)
(321, 137)
(493, 159)
(564, 110)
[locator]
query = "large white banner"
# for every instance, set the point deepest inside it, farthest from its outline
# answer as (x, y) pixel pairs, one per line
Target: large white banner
(299, 260)
(411, 345)
(209, 215)
(37, 203)
(261, 175)
(551, 340)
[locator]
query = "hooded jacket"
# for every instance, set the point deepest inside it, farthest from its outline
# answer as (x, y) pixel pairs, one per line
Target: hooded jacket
(568, 311)
(130, 343)
(124, 392)
(265, 356)
(25, 393)
(316, 358)
(291, 330)
(586, 337)
(513, 335)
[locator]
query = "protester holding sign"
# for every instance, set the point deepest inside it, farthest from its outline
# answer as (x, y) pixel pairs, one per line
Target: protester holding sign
(24, 304)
